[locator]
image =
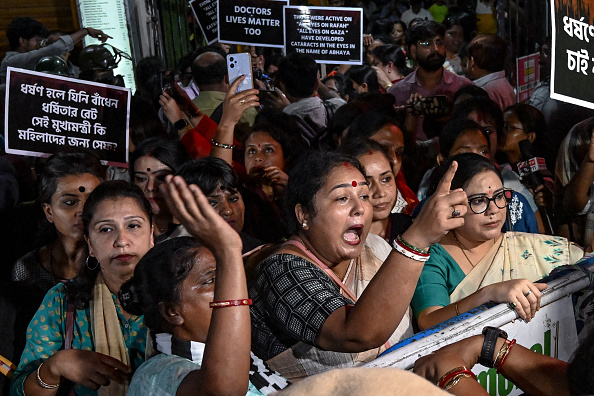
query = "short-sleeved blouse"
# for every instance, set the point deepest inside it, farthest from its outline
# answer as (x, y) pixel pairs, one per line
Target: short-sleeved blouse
(292, 298)
(47, 330)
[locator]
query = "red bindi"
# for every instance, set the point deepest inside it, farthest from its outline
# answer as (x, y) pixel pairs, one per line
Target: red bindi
(354, 183)
(370, 152)
(346, 164)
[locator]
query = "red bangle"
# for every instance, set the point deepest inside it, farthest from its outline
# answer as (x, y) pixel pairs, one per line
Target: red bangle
(452, 373)
(511, 344)
(230, 303)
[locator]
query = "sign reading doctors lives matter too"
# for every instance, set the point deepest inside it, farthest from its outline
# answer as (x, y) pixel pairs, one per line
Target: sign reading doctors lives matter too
(46, 114)
(572, 63)
(330, 35)
(251, 22)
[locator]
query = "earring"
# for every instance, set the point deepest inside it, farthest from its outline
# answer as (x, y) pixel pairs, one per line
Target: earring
(304, 224)
(87, 262)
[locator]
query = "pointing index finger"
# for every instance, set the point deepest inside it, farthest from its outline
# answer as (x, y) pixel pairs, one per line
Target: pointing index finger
(445, 183)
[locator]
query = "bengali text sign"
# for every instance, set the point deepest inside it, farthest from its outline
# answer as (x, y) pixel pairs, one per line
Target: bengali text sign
(572, 64)
(46, 114)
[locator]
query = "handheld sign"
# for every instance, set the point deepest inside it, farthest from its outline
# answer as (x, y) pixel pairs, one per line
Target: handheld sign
(330, 35)
(251, 22)
(528, 76)
(205, 12)
(47, 113)
(572, 62)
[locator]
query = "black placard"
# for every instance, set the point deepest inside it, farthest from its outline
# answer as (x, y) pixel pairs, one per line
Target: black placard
(330, 35)
(46, 113)
(205, 12)
(572, 71)
(251, 22)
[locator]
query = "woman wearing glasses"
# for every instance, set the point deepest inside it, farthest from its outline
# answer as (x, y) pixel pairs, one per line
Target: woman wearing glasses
(477, 263)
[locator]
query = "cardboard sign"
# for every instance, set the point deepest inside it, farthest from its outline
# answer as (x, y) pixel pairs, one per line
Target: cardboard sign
(251, 22)
(528, 75)
(330, 35)
(572, 71)
(205, 12)
(47, 113)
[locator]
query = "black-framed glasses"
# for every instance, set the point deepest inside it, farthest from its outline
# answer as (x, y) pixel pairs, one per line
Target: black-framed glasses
(480, 203)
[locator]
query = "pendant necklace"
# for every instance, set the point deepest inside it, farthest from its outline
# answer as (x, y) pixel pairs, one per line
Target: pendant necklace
(461, 248)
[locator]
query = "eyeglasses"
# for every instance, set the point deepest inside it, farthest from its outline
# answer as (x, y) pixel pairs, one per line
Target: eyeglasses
(508, 127)
(431, 43)
(480, 204)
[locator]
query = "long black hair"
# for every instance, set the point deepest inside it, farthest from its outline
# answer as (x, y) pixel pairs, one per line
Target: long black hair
(158, 277)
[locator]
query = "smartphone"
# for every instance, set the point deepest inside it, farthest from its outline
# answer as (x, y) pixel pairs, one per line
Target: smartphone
(431, 105)
(240, 65)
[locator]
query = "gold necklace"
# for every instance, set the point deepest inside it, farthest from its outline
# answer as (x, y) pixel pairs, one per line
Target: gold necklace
(461, 248)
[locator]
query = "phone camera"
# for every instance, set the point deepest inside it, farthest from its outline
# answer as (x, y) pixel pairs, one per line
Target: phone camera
(231, 65)
(231, 59)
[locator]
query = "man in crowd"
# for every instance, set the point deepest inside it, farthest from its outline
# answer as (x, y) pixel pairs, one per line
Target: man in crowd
(299, 79)
(210, 75)
(486, 64)
(426, 48)
(30, 41)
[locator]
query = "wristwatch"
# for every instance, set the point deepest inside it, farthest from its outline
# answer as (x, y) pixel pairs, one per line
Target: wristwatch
(180, 124)
(491, 334)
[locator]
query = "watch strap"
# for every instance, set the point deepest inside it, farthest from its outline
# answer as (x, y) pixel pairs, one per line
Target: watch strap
(491, 334)
(180, 124)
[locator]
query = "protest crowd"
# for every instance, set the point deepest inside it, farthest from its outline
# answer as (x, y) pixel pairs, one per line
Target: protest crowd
(273, 240)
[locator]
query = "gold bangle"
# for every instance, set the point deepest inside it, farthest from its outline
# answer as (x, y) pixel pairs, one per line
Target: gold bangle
(456, 306)
(388, 86)
(454, 381)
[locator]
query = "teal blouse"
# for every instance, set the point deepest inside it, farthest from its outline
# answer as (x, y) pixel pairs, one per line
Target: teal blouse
(440, 277)
(47, 330)
(161, 375)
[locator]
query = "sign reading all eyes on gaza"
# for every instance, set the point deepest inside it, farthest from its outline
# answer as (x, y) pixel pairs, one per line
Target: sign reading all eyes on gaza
(47, 113)
(330, 35)
(572, 63)
(251, 22)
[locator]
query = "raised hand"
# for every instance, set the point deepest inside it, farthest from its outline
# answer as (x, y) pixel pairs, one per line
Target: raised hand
(98, 34)
(235, 104)
(170, 108)
(442, 212)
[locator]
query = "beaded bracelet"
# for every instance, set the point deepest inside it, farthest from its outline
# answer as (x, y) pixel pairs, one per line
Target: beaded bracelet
(450, 375)
(230, 303)
(413, 248)
(501, 359)
(221, 145)
(407, 252)
(42, 383)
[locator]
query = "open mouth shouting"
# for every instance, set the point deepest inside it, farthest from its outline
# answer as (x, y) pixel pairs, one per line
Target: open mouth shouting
(352, 236)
